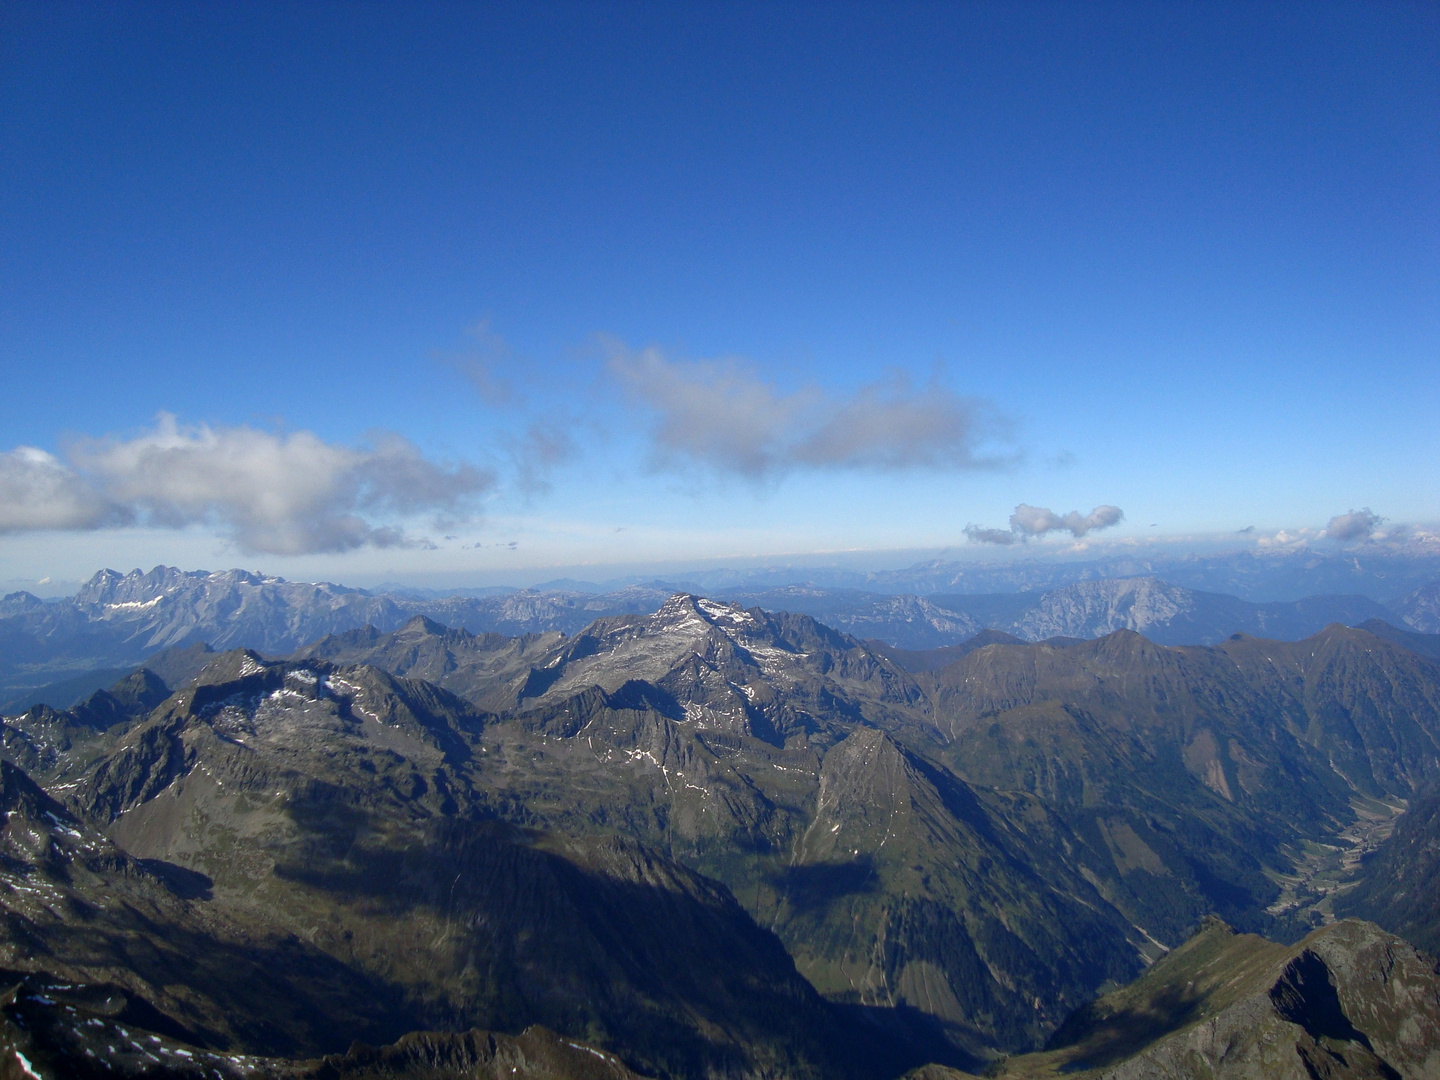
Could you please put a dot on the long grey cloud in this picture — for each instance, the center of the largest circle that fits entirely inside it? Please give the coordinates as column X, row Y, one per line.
column 724, row 415
column 1032, row 522
column 273, row 493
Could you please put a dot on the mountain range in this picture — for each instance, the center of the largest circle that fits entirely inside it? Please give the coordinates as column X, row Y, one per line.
column 58, row 652
column 698, row 841
column 1382, row 571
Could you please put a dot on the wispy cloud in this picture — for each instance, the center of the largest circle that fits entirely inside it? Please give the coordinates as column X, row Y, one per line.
column 486, row 364
column 1355, row 525
column 275, row 493
column 544, row 446
column 724, row 415
column 1032, row 522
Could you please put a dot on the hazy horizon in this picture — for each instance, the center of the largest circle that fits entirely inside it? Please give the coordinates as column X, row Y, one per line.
column 1419, row 544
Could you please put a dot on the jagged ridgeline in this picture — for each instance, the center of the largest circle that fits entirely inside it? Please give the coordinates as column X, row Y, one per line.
column 705, row 841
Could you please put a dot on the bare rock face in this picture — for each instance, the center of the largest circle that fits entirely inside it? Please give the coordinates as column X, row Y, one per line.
column 1421, row 608
column 1388, row 990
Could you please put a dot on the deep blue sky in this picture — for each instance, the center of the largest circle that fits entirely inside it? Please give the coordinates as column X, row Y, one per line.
column 1185, row 256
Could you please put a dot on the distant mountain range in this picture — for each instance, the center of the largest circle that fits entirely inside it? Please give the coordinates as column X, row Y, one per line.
column 1163, row 612
column 1374, row 570
column 60, row 651
column 1382, row 572
column 709, row 840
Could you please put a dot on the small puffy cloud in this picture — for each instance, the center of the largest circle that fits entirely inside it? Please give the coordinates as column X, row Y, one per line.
column 1285, row 539
column 725, row 415
column 1356, row 525
column 1037, row 521
column 1032, row 522
column 275, row 493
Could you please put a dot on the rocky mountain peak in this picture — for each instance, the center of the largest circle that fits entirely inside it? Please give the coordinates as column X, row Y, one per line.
column 422, row 626
column 110, row 588
column 704, row 642
column 233, row 665
column 685, row 612
column 684, row 615
column 99, row 588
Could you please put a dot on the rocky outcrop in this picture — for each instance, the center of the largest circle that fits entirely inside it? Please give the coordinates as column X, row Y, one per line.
column 1349, row 1001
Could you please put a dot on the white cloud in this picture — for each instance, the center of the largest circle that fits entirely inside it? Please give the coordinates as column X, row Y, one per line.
column 1284, row 539
column 723, row 414
column 1037, row 520
column 1355, row 525
column 1032, row 522
column 284, row 494
column 38, row 491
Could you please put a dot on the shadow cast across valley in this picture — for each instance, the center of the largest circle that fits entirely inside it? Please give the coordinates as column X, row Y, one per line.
column 184, row 883
column 926, row 1039
column 598, row 938
column 811, row 888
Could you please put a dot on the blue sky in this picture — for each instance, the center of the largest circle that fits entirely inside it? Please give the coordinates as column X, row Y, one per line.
column 312, row 288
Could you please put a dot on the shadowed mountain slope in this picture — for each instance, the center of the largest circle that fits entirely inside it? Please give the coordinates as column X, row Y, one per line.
column 1350, row 1001
column 51, row 1027
column 1205, row 773
column 473, row 666
column 82, row 910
